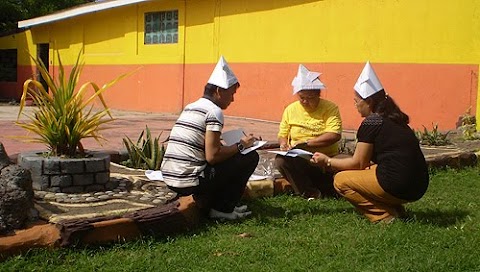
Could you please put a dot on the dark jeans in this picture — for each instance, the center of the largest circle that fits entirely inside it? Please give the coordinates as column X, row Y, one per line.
column 306, row 180
column 224, row 183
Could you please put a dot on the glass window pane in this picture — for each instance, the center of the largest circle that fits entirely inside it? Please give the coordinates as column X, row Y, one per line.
column 161, row 27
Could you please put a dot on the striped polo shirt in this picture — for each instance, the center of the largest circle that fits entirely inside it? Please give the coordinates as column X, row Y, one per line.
column 184, row 159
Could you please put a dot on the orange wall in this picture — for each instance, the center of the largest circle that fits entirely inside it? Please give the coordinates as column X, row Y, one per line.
column 153, row 88
column 9, row 90
column 419, row 89
column 13, row 90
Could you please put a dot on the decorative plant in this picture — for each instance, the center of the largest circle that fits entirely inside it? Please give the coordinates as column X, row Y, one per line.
column 146, row 153
column 65, row 115
column 468, row 127
column 434, row 137
column 344, row 148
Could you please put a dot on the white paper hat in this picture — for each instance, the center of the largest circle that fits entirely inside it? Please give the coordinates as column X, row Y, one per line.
column 368, row 82
column 306, row 80
column 222, row 76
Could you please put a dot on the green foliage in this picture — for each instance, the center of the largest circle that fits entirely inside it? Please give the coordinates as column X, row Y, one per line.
column 433, row 137
column 287, row 233
column 65, row 116
column 146, row 153
column 13, row 11
column 468, row 127
column 344, row 148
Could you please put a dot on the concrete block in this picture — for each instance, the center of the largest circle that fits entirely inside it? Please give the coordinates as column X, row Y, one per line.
column 51, row 166
column 72, row 166
column 102, row 177
column 83, row 179
column 61, row 181
column 40, row 182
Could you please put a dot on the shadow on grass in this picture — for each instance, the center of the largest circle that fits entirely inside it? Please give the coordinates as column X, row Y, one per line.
column 269, row 212
column 440, row 218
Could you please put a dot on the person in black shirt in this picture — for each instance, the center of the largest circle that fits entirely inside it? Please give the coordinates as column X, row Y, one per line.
column 388, row 168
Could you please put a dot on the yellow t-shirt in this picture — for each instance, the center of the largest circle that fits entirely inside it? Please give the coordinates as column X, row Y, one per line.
column 302, row 125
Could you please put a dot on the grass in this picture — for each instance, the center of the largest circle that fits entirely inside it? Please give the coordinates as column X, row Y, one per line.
column 290, row 234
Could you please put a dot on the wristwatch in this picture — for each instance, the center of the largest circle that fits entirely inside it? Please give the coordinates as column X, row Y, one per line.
column 240, row 147
column 329, row 162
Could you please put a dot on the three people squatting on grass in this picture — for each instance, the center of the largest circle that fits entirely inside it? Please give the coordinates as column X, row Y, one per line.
column 387, row 169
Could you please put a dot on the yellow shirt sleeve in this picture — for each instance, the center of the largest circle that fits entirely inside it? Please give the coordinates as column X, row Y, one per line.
column 334, row 121
column 284, row 129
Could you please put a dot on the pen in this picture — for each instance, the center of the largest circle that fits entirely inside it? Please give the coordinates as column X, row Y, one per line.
column 256, row 139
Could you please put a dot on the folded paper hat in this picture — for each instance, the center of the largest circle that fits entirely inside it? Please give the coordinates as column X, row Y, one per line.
column 222, row 76
column 368, row 83
column 306, row 80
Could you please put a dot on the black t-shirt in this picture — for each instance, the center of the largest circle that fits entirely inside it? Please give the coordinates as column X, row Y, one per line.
column 402, row 170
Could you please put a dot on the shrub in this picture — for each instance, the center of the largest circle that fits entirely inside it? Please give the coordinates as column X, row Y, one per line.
column 64, row 116
column 344, row 148
column 146, row 153
column 433, row 137
column 468, row 126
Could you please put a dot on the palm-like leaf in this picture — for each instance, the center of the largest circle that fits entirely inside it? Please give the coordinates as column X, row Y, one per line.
column 146, row 153
column 65, row 116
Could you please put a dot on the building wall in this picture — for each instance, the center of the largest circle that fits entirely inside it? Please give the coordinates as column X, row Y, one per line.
column 426, row 53
column 12, row 90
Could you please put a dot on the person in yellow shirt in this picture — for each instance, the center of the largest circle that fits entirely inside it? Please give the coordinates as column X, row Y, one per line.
column 310, row 123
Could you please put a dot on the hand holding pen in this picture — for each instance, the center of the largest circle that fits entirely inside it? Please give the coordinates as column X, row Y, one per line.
column 249, row 140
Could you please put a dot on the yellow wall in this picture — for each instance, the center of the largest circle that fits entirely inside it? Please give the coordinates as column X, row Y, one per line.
column 8, row 42
column 406, row 31
column 113, row 37
column 250, row 31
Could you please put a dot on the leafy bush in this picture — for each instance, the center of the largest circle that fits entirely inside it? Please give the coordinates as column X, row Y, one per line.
column 64, row 116
column 345, row 148
column 433, row 137
column 468, row 127
column 146, row 153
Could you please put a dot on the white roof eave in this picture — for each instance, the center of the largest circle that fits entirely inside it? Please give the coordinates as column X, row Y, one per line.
column 69, row 13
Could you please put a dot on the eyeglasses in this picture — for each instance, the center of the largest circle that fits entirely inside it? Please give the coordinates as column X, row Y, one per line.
column 356, row 102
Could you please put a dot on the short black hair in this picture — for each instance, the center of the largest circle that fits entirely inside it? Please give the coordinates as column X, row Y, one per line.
column 210, row 88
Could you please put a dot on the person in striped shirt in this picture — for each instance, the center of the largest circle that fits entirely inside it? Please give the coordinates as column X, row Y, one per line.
column 197, row 163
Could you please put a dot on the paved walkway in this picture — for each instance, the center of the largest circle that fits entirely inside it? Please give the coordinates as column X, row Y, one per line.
column 131, row 124
column 126, row 123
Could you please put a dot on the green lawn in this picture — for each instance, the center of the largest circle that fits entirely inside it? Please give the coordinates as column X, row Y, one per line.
column 290, row 234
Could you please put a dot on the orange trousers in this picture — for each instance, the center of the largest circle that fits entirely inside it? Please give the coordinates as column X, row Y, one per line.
column 361, row 188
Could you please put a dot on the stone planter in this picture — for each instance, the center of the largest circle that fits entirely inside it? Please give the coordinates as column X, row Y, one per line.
column 68, row 175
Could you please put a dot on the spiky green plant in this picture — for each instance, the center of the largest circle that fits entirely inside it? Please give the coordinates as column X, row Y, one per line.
column 146, row 153
column 64, row 116
column 433, row 137
column 469, row 126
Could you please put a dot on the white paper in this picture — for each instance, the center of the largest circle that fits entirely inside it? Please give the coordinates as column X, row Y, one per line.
column 255, row 145
column 295, row 153
column 154, row 175
column 306, row 80
column 233, row 136
column 368, row 83
column 222, row 76
column 257, row 177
